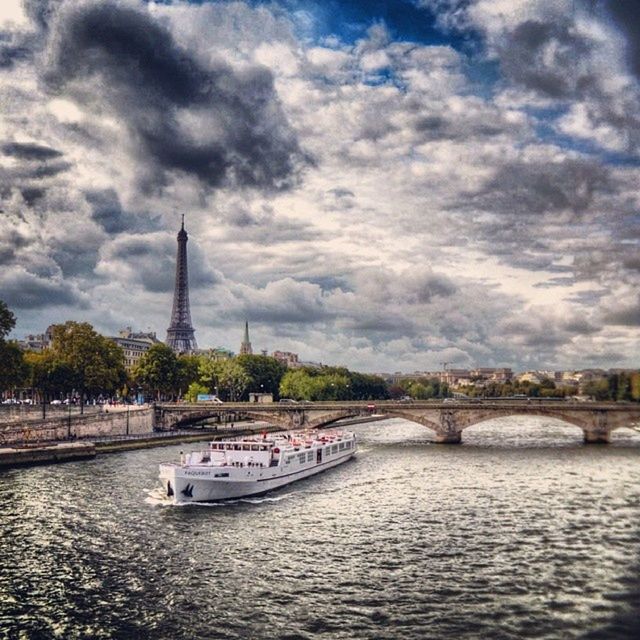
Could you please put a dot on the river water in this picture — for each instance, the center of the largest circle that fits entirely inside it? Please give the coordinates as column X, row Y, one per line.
column 520, row 532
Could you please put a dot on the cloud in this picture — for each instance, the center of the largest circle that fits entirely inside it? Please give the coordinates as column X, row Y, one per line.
column 221, row 125
column 150, row 261
column 536, row 187
column 29, row 151
column 24, row 290
column 469, row 201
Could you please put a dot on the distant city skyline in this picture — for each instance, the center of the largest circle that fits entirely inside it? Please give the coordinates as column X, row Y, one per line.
column 387, row 186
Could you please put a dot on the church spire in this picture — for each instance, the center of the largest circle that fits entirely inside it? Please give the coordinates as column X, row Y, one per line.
column 245, row 347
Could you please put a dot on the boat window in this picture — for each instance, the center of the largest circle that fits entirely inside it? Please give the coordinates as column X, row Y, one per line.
column 237, row 447
column 348, row 445
column 246, row 447
column 220, row 475
column 228, row 446
column 341, row 446
column 334, row 448
column 310, row 456
column 255, row 447
column 302, row 457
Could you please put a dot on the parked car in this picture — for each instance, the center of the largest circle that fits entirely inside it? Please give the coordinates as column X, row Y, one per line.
column 288, row 401
column 56, row 402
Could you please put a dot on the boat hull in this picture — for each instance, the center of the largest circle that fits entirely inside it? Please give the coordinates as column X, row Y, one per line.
column 185, row 485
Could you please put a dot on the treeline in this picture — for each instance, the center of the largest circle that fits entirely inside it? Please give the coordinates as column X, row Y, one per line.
column 419, row 389
column 81, row 363
column 332, row 383
column 623, row 386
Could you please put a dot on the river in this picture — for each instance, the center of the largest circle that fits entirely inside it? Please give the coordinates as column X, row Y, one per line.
column 520, row 532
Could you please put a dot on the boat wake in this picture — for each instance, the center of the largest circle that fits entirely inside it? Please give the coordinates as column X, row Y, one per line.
column 155, row 497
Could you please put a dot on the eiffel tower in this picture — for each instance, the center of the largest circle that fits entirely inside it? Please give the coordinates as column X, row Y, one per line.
column 180, row 334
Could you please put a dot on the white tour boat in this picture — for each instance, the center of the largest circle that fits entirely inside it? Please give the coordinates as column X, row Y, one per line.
column 252, row 466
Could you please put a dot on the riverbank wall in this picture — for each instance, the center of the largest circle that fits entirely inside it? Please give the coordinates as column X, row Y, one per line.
column 72, row 426
column 61, row 452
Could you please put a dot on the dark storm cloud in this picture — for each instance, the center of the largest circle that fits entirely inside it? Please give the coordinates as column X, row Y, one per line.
column 534, row 188
column 30, row 178
column 151, row 260
column 110, row 55
column 24, row 290
column 29, row 151
column 542, row 330
column 555, row 282
column 11, row 240
column 539, row 56
column 41, row 11
column 629, row 317
column 626, row 15
column 14, row 48
column 107, row 211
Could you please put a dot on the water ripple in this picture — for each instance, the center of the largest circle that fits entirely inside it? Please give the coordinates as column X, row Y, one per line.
column 520, row 532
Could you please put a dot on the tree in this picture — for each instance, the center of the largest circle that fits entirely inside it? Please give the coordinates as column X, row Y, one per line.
column 47, row 374
column 194, row 390
column 598, row 389
column 158, row 370
column 7, row 320
column 13, row 369
column 296, row 384
column 265, row 373
column 188, row 371
column 12, row 366
column 232, row 379
column 96, row 363
column 635, row 386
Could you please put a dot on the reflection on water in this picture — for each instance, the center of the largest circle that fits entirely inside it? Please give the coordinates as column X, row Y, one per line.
column 522, row 531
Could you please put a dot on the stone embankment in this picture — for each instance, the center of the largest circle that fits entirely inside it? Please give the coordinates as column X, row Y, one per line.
column 63, row 425
column 52, row 452
column 58, row 452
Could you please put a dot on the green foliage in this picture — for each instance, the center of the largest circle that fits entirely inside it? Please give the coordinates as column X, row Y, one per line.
column 187, row 372
column 623, row 386
column 634, row 391
column 265, row 373
column 13, row 369
column 424, row 388
column 7, row 320
column 158, row 370
column 227, row 376
column 48, row 374
column 194, row 390
column 95, row 363
column 597, row 389
column 331, row 383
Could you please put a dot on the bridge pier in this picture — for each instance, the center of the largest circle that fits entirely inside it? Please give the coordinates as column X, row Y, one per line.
column 597, row 437
column 448, row 438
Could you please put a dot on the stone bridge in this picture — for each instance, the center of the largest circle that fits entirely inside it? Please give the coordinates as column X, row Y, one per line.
column 447, row 419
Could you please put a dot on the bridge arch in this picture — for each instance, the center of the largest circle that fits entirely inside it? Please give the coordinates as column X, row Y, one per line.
column 543, row 430
column 569, row 421
column 425, row 421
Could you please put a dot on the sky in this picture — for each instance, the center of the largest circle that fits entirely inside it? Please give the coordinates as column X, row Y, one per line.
column 384, row 185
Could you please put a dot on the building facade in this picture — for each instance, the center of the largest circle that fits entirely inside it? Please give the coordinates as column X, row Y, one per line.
column 134, row 345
